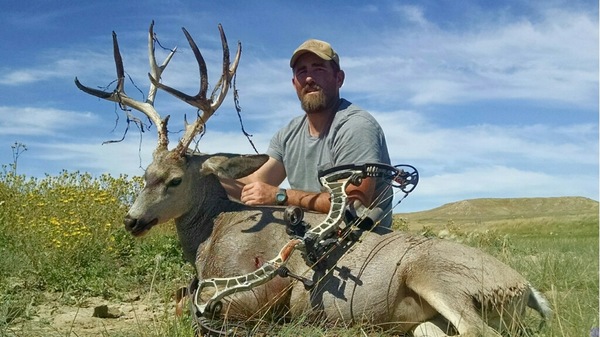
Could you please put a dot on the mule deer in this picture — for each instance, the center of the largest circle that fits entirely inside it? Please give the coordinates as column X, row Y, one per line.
column 402, row 282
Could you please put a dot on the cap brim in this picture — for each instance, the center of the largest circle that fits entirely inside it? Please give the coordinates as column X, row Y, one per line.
column 301, row 52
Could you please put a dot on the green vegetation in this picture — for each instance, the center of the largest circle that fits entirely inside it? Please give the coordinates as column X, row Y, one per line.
column 62, row 240
column 64, row 250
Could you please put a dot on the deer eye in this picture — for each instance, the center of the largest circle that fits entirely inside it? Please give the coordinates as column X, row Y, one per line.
column 174, row 182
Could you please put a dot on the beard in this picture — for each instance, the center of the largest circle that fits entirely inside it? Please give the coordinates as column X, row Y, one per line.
column 313, row 101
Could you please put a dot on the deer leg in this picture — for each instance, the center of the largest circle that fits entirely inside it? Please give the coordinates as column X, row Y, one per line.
column 181, row 297
column 468, row 323
column 459, row 312
column 435, row 327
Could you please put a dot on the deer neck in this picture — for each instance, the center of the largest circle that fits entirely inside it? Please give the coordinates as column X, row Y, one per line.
column 196, row 226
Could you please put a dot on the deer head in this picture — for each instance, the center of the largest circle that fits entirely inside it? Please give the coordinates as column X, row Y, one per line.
column 170, row 169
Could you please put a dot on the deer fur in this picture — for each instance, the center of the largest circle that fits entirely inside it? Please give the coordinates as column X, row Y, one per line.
column 400, row 281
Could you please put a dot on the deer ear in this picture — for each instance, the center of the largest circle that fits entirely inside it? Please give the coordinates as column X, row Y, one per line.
column 234, row 167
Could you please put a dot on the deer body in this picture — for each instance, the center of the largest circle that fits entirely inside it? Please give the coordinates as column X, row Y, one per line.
column 404, row 282
column 388, row 278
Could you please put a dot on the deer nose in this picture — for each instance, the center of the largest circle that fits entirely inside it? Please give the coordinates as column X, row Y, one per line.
column 129, row 223
column 138, row 227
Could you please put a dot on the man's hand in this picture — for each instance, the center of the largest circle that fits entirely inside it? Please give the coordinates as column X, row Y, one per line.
column 258, row 193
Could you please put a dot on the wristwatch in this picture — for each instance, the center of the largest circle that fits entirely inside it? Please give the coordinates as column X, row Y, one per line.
column 281, row 196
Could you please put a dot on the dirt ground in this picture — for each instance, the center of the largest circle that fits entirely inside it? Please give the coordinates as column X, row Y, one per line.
column 94, row 317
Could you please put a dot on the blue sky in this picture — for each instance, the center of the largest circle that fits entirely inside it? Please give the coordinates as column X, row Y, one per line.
column 488, row 99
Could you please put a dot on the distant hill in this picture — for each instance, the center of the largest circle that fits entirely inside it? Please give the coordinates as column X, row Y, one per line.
column 489, row 212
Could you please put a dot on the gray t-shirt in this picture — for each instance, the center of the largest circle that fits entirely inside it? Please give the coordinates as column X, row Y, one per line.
column 354, row 137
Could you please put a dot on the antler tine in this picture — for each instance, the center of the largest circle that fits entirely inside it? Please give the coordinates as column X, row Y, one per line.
column 200, row 101
column 155, row 69
column 118, row 92
column 201, row 65
column 119, row 96
column 228, row 72
column 118, row 64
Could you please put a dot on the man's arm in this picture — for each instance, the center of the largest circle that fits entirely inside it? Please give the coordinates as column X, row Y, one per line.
column 270, row 173
column 260, row 187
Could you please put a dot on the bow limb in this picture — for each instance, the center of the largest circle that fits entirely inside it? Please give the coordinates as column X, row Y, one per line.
column 225, row 286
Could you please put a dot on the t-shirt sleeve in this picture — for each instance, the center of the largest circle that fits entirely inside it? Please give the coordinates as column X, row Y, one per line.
column 359, row 140
column 275, row 149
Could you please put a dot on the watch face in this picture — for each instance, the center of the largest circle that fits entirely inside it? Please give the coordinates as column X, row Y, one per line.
column 281, row 197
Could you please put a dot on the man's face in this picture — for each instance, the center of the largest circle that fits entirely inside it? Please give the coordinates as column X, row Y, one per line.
column 317, row 83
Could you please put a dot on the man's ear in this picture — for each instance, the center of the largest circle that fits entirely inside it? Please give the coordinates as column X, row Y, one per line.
column 234, row 167
column 340, row 78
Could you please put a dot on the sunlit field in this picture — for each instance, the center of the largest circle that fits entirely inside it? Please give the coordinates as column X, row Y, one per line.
column 64, row 252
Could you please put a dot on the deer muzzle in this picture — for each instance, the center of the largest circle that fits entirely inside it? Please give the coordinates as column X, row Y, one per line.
column 138, row 227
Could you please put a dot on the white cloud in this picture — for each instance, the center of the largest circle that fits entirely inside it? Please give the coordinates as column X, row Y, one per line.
column 29, row 121
column 552, row 59
column 478, row 161
column 413, row 14
column 481, row 180
column 56, row 65
column 19, row 77
column 411, row 136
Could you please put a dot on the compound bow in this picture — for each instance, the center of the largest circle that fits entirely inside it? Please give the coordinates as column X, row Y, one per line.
column 314, row 242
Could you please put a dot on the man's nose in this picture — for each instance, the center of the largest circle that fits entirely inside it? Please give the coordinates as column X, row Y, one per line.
column 309, row 79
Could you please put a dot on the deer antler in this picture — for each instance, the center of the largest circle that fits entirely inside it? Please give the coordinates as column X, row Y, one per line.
column 200, row 101
column 119, row 96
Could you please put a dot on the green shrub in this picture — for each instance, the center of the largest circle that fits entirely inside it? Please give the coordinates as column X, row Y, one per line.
column 64, row 234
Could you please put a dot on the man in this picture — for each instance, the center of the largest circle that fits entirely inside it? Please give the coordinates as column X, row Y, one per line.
column 332, row 132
